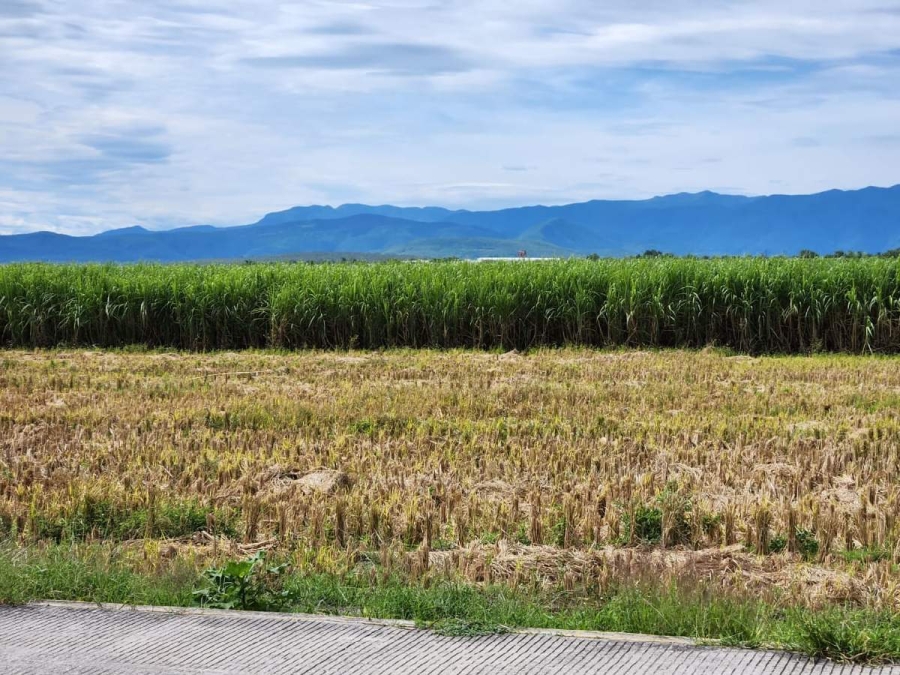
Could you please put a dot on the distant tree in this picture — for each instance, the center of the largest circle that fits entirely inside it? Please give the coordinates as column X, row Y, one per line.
column 651, row 253
column 806, row 253
column 848, row 254
column 594, row 257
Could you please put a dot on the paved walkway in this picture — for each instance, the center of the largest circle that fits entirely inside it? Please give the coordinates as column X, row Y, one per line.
column 80, row 638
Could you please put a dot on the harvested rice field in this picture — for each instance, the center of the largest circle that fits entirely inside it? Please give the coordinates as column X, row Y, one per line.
column 575, row 470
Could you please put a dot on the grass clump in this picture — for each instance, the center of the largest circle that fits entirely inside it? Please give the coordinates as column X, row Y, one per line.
column 458, row 627
column 666, row 521
column 848, row 635
column 804, row 542
column 90, row 573
column 865, row 556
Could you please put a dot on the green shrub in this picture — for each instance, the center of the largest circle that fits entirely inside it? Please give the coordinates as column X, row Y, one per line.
column 647, row 526
column 244, row 584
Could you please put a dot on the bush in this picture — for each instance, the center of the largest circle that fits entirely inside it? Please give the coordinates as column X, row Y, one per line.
column 647, row 526
column 245, row 584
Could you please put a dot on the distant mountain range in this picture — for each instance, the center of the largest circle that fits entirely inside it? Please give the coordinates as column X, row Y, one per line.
column 705, row 223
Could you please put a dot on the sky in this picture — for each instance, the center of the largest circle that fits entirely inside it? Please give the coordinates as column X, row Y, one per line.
column 166, row 113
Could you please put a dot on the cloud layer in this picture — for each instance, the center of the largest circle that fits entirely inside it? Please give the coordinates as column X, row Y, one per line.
column 116, row 112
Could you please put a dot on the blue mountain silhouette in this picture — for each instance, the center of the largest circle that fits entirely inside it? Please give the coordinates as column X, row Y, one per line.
column 704, row 223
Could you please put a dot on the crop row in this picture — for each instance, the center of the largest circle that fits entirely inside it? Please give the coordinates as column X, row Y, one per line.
column 747, row 304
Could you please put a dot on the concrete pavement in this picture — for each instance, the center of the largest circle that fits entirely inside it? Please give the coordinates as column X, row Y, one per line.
column 82, row 638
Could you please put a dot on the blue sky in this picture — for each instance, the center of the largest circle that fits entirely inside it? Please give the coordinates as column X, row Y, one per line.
column 173, row 112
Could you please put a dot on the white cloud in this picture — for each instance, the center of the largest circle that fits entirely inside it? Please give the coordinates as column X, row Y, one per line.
column 115, row 112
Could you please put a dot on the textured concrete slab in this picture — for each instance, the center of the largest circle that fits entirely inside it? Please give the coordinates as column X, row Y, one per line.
column 80, row 638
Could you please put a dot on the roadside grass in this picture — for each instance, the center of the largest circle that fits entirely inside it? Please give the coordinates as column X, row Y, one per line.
column 90, row 573
column 849, row 635
column 98, row 573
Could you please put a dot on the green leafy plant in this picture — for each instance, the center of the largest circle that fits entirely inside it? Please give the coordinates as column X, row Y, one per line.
column 647, row 525
column 807, row 544
column 778, row 543
column 670, row 510
column 244, row 584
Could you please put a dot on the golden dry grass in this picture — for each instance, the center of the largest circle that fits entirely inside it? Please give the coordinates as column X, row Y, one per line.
column 521, row 468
